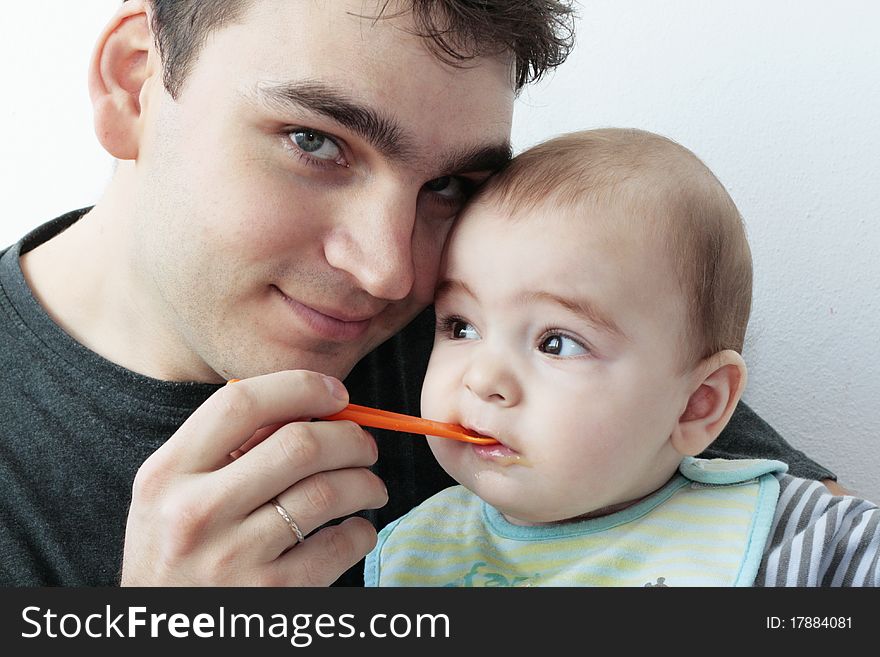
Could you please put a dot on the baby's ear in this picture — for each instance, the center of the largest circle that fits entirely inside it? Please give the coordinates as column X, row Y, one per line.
column 720, row 380
column 123, row 61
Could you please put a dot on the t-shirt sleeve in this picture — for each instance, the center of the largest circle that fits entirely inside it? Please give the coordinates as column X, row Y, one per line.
column 747, row 436
column 820, row 539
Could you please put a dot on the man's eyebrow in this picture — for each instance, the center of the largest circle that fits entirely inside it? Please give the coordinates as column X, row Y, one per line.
column 383, row 132
column 580, row 307
column 482, row 158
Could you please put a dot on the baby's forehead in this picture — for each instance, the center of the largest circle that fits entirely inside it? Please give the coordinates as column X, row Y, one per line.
column 624, row 236
column 617, row 218
column 571, row 235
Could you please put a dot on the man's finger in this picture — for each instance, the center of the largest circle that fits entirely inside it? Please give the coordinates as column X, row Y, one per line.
column 312, row 502
column 295, row 451
column 235, row 412
column 324, row 556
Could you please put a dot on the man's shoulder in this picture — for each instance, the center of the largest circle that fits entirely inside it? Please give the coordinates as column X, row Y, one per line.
column 749, row 436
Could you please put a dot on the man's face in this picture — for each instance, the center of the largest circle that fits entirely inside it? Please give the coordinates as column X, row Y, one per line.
column 293, row 201
column 558, row 333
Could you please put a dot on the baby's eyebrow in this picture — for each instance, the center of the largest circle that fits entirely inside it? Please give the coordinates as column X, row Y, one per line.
column 582, row 307
column 449, row 286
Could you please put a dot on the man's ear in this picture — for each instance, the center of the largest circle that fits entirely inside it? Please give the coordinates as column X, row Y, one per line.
column 720, row 381
column 120, row 66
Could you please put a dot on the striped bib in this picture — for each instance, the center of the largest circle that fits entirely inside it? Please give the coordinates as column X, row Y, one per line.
column 706, row 527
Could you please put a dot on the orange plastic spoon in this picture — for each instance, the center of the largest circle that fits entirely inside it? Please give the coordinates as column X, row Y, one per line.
column 379, row 419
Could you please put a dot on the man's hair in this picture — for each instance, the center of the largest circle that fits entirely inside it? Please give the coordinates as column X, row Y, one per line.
column 539, row 34
column 663, row 188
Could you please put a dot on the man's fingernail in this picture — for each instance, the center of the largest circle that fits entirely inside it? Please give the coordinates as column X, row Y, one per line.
column 336, row 388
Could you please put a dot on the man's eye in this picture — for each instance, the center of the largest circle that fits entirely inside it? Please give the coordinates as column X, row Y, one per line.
column 461, row 330
column 452, row 188
column 317, row 145
column 558, row 344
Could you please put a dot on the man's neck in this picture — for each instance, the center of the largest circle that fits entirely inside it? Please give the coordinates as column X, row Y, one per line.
column 86, row 280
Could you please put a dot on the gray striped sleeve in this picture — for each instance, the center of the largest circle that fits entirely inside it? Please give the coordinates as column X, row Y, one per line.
column 818, row 539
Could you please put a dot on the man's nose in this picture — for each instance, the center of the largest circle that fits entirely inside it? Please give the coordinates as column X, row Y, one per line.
column 372, row 241
column 491, row 377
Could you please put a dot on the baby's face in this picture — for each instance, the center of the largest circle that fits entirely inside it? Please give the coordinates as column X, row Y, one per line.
column 558, row 333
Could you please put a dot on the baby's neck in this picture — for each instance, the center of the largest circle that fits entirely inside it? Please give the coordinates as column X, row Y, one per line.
column 596, row 513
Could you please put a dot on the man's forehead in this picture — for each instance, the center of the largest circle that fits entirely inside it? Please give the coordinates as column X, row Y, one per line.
column 340, row 22
column 377, row 78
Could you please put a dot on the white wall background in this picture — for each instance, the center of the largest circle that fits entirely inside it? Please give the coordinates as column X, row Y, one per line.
column 781, row 98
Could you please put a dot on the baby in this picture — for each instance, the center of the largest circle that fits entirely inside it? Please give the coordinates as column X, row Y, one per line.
column 591, row 311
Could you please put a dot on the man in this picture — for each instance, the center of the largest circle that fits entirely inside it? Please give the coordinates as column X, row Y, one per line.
column 288, row 172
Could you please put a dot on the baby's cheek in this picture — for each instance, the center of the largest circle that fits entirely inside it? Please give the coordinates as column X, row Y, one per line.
column 432, row 396
column 445, row 452
column 429, row 405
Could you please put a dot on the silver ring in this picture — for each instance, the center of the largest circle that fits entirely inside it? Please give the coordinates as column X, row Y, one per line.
column 297, row 532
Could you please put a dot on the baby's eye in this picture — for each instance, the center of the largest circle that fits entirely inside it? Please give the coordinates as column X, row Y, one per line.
column 316, row 144
column 558, row 344
column 461, row 330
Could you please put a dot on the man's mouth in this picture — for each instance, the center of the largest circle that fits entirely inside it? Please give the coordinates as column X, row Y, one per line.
column 330, row 323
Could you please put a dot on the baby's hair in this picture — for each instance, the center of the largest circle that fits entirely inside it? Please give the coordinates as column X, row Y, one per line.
column 663, row 188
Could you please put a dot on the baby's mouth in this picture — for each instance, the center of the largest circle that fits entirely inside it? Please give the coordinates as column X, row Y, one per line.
column 500, row 453
column 483, row 431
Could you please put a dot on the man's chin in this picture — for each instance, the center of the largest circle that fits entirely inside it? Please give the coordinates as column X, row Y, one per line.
column 329, row 357
column 334, row 363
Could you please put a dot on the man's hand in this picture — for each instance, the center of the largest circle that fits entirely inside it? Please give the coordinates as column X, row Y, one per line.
column 201, row 517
